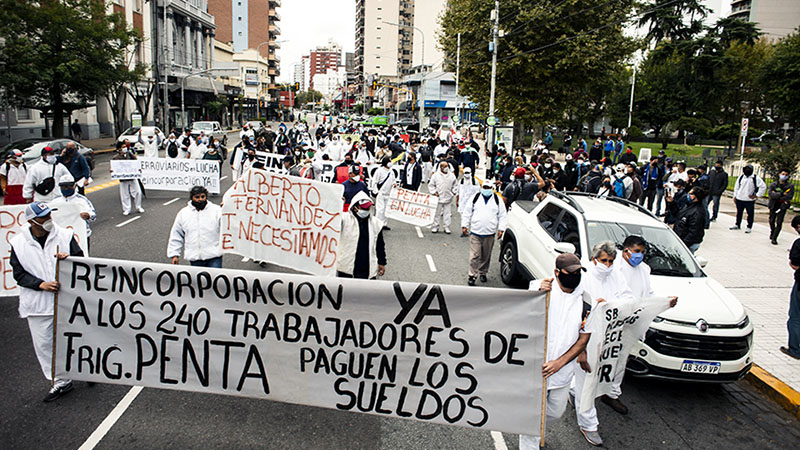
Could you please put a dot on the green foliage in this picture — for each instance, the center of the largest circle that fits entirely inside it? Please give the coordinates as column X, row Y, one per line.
column 667, row 19
column 374, row 112
column 682, row 150
column 635, row 132
column 777, row 158
column 696, row 125
column 780, row 74
column 310, row 96
column 57, row 52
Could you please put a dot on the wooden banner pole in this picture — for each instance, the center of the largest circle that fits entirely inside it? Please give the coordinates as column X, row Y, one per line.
column 55, row 322
column 544, row 380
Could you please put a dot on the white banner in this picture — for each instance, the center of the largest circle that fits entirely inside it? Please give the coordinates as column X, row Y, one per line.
column 125, row 169
column 291, row 221
column 432, row 353
column 12, row 220
column 416, row 208
column 615, row 326
column 181, row 175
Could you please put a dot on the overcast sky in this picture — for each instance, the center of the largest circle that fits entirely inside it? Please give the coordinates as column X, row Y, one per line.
column 306, row 24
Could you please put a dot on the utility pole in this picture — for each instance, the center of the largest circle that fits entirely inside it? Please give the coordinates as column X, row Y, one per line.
column 630, row 109
column 495, row 30
column 458, row 66
column 164, row 40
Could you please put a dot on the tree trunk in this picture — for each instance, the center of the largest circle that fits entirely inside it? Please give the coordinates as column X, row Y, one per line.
column 58, row 110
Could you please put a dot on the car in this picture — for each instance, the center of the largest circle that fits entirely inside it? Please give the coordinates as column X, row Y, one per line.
column 255, row 125
column 708, row 325
column 32, row 149
column 475, row 127
column 326, row 113
column 210, row 129
column 404, row 122
column 132, row 135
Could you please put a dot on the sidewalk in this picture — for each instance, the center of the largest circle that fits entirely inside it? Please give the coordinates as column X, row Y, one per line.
column 99, row 144
column 758, row 274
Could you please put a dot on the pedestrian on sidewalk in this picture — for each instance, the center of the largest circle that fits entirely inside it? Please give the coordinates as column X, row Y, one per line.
column 129, row 190
column 484, row 217
column 748, row 188
column 33, row 253
column 75, row 128
column 793, row 324
column 195, row 231
column 718, row 182
column 12, row 174
column 781, row 193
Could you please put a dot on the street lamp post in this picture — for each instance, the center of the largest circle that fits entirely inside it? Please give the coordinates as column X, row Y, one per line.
column 422, row 81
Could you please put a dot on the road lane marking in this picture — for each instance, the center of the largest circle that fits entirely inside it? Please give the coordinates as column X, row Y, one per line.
column 419, row 232
column 222, row 178
column 171, row 201
column 119, row 225
column 431, row 265
column 99, row 187
column 111, row 419
column 499, row 442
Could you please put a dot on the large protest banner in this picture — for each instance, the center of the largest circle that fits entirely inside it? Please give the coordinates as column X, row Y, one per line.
column 416, row 208
column 433, row 353
column 291, row 221
column 169, row 174
column 615, row 326
column 12, row 221
column 125, row 169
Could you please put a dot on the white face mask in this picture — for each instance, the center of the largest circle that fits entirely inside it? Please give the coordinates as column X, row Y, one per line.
column 602, row 270
column 46, row 226
column 528, row 178
column 50, row 159
column 363, row 213
column 445, row 170
column 547, row 166
column 357, row 178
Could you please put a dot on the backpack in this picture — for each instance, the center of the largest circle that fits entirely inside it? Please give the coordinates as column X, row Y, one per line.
column 478, row 195
column 47, row 185
column 172, row 150
column 186, row 141
column 591, row 183
column 619, row 187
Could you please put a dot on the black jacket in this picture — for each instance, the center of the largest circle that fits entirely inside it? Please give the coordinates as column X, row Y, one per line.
column 416, row 177
column 780, row 195
column 691, row 221
column 718, row 181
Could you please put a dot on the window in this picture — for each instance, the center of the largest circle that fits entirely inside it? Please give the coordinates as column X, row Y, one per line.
column 567, row 231
column 548, row 218
column 23, row 114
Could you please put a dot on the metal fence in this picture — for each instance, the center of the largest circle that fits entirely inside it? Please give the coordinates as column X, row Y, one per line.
column 734, row 170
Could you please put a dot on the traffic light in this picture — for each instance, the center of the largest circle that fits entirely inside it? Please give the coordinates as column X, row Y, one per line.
column 374, row 85
column 296, row 86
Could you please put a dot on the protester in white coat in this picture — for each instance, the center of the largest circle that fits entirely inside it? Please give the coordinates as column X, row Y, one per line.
column 41, row 181
column 129, row 190
column 150, row 144
column 443, row 184
column 381, row 185
column 467, row 188
column 484, row 218
column 196, row 232
column 362, row 253
column 70, row 196
column 33, row 259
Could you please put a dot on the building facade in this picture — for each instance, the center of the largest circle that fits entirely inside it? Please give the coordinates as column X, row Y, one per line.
column 775, row 18
column 297, row 75
column 323, row 59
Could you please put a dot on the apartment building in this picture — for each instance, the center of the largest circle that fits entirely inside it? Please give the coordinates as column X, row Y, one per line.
column 775, row 18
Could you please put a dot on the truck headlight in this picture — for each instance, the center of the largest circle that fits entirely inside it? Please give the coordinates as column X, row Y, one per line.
column 744, row 323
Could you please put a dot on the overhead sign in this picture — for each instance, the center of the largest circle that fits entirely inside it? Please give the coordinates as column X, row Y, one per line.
column 12, row 221
column 181, row 175
column 416, row 208
column 431, row 353
column 291, row 221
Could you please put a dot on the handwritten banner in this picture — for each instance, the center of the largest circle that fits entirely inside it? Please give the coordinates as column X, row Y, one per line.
column 432, row 353
column 12, row 221
column 169, row 174
column 416, row 208
column 288, row 220
column 615, row 325
column 125, row 169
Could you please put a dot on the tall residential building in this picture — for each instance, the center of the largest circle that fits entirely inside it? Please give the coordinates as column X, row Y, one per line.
column 297, row 75
column 775, row 18
column 426, row 18
column 251, row 24
column 384, row 50
column 323, row 59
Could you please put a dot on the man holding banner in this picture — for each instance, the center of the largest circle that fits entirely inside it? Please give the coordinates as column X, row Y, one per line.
column 128, row 188
column 32, row 253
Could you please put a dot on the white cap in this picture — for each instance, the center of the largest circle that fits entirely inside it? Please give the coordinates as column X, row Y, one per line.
column 66, row 179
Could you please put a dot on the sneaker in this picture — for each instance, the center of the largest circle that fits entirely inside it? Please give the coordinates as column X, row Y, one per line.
column 471, row 281
column 483, row 278
column 748, row 230
column 434, row 230
column 592, row 437
column 615, row 404
column 140, row 210
column 735, row 227
column 126, row 213
column 57, row 391
column 714, row 219
column 385, row 228
column 786, row 351
column 773, row 242
column 447, row 230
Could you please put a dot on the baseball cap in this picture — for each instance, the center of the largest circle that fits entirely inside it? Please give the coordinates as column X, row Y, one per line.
column 16, row 153
column 47, row 149
column 486, row 184
column 569, row 262
column 519, row 172
column 365, row 204
column 66, row 179
column 355, row 168
column 36, row 209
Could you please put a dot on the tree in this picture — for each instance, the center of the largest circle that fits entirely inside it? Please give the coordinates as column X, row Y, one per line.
column 781, row 75
column 666, row 19
column 310, row 96
column 56, row 52
column 781, row 157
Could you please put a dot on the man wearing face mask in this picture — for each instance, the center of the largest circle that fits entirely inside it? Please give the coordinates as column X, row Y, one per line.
column 362, row 252
column 76, row 164
column 468, row 186
column 690, row 223
column 353, row 185
column 747, row 189
column 32, row 258
column 781, row 193
column 381, row 185
column 13, row 174
column 443, row 185
column 150, row 144
column 69, row 195
column 41, row 179
column 484, row 218
column 196, row 232
column 128, row 189
column 412, row 173
column 566, row 338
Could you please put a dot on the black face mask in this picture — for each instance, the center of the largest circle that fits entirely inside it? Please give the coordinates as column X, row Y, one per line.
column 251, row 157
column 200, row 205
column 748, row 171
column 570, row 280
column 348, row 162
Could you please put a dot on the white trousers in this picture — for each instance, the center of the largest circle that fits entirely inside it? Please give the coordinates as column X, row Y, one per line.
column 443, row 215
column 427, row 170
column 129, row 189
column 556, row 405
column 42, row 335
column 588, row 420
column 616, row 387
column 380, row 206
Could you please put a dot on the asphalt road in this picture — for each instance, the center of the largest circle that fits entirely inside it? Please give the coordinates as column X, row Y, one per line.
column 662, row 415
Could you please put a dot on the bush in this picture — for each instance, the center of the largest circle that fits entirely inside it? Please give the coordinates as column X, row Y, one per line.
column 777, row 158
column 635, row 132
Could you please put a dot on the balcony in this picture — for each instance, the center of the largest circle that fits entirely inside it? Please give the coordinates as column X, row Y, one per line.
column 274, row 28
column 274, row 14
column 275, row 2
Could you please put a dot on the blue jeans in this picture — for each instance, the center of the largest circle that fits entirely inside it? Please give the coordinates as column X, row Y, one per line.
column 694, row 247
column 794, row 322
column 213, row 262
column 659, row 198
column 715, row 199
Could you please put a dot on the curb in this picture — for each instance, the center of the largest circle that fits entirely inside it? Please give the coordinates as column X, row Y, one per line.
column 775, row 389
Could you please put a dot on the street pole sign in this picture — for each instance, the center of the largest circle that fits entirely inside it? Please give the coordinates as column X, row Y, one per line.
column 743, row 132
column 491, row 121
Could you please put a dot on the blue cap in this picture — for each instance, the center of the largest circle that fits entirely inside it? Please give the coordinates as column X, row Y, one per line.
column 36, row 209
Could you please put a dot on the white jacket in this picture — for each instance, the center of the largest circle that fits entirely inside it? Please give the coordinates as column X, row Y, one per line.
column 196, row 232
column 150, row 148
column 381, row 174
column 348, row 241
column 38, row 172
column 85, row 204
column 40, row 263
column 467, row 189
column 443, row 184
column 483, row 217
column 746, row 186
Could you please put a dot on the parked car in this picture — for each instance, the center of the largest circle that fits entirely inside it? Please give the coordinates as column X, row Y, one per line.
column 32, row 149
column 706, row 337
column 210, row 129
column 404, row 122
column 132, row 135
column 475, row 127
column 255, row 125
